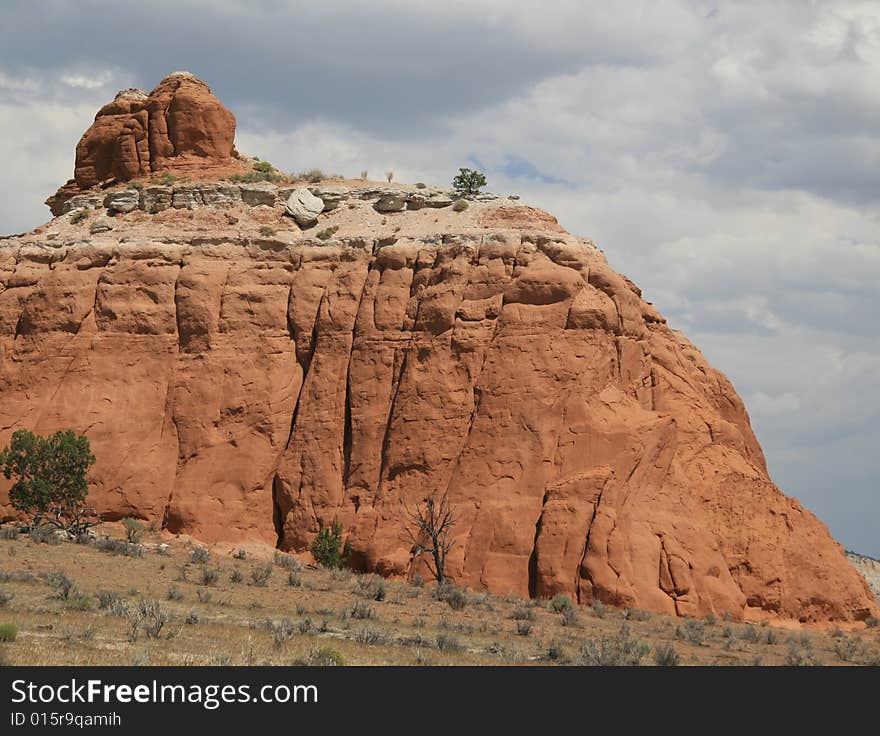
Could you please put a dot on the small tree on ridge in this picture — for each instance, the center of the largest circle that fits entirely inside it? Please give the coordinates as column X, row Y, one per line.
column 468, row 182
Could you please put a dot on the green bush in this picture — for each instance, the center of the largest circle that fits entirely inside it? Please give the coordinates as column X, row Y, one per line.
column 8, row 632
column 50, row 475
column 327, row 233
column 460, row 205
column 468, row 182
column 134, row 529
column 560, row 603
column 267, row 231
column 328, row 549
column 79, row 216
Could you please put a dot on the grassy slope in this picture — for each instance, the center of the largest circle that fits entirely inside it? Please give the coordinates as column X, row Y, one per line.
column 403, row 629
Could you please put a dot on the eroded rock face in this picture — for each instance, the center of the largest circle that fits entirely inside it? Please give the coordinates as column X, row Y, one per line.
column 240, row 392
column 178, row 126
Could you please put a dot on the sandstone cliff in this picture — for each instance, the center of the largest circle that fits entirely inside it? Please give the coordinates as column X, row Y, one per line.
column 243, row 378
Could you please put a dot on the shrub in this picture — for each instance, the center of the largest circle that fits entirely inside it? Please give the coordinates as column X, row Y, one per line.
column 555, row 651
column 208, row 576
column 8, row 632
column 362, row 610
column 598, row 608
column 80, row 602
column 327, row 547
column 293, row 579
column 50, row 477
column 313, row 176
column 460, row 205
column 134, row 530
column 729, row 638
column 371, row 636
column 421, row 185
column 619, row 650
column 389, row 175
column 175, row 593
column 5, row 596
column 325, row 657
column 120, row 547
column 523, row 613
column 204, row 596
column 199, row 556
column 455, row 597
column 468, row 182
column 872, row 622
column 166, row 180
column 849, row 648
column 106, row 598
column 62, row 584
column 281, row 631
column 235, row 576
column 288, row 562
column 417, row 581
column 241, row 554
column 666, row 655
column 523, row 628
column 44, row 535
column 260, row 574
column 570, row 618
column 327, row 233
column 799, row 653
column 118, row 607
column 751, row 634
column 371, row 586
column 79, row 216
column 636, row 614
column 692, row 631
column 9, row 532
column 448, row 643
column 148, row 615
column 267, row 231
column 192, row 618
column 560, row 603
column 19, row 576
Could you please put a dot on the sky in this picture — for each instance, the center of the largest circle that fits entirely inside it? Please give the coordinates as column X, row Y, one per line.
column 725, row 155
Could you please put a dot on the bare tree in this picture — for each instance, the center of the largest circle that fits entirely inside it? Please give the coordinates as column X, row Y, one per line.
column 429, row 532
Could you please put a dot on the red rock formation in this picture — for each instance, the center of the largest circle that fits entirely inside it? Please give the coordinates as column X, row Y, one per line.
column 238, row 393
column 239, row 387
column 179, row 126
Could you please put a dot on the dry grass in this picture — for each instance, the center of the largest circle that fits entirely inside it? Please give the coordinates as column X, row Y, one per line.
column 326, row 617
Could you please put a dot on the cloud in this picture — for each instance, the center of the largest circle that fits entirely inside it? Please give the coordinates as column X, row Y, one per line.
column 725, row 155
